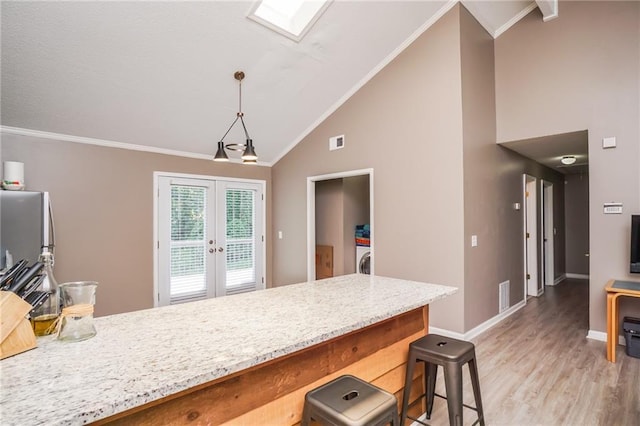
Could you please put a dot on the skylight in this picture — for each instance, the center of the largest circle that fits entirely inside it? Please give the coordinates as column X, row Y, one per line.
column 291, row 18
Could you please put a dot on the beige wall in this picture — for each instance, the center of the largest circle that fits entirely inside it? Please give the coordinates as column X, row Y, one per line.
column 580, row 71
column 492, row 184
column 405, row 124
column 576, row 200
column 103, row 205
column 426, row 125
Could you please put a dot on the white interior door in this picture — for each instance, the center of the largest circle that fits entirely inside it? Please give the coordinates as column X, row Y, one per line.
column 210, row 239
column 531, row 236
column 548, row 229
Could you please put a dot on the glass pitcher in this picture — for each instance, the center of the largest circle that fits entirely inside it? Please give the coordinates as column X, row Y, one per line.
column 76, row 320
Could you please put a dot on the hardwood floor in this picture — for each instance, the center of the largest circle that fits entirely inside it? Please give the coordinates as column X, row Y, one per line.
column 538, row 368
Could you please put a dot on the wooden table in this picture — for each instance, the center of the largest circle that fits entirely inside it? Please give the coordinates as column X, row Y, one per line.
column 616, row 289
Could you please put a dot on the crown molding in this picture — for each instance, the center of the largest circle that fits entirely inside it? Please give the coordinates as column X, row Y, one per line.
column 511, row 22
column 111, row 144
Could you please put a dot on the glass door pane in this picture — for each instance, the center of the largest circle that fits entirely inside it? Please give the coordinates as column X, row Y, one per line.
column 188, row 242
column 241, row 262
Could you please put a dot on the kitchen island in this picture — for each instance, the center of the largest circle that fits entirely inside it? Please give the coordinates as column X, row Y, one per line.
column 243, row 359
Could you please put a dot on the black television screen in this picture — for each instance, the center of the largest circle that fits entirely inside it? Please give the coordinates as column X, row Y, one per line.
column 635, row 244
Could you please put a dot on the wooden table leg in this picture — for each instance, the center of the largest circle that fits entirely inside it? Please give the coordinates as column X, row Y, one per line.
column 612, row 336
column 610, row 347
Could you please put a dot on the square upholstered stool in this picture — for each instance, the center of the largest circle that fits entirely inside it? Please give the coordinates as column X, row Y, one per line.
column 350, row 401
column 451, row 354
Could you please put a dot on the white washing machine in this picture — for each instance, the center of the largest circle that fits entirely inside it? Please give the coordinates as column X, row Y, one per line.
column 363, row 260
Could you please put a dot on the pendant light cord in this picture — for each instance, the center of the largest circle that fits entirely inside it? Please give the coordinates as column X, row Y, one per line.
column 238, row 115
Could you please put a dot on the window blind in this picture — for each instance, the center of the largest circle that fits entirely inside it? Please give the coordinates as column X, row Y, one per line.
column 240, row 236
column 188, row 245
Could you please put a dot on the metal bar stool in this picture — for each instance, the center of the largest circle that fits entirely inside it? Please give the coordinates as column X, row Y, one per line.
column 350, row 401
column 451, row 354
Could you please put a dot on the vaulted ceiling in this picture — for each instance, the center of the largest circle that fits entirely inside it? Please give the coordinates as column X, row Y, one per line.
column 158, row 76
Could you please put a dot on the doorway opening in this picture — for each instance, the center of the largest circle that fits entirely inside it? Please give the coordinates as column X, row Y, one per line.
column 325, row 193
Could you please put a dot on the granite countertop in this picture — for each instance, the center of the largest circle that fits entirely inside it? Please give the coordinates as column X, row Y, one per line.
column 142, row 356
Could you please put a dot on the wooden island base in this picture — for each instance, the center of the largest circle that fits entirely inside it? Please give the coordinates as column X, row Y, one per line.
column 273, row 393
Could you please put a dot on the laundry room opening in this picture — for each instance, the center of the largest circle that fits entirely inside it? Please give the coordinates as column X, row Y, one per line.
column 340, row 224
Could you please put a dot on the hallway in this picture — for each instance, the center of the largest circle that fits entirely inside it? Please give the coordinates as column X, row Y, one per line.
column 538, row 368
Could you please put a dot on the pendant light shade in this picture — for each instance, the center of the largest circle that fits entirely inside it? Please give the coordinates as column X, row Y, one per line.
column 248, row 151
column 220, row 154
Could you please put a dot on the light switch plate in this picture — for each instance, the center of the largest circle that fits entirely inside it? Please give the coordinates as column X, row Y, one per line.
column 609, row 142
column 474, row 241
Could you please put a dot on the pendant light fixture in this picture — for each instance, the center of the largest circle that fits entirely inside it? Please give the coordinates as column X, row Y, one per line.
column 248, row 152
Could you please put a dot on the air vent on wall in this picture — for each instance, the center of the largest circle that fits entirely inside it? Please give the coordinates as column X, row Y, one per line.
column 503, row 296
column 336, row 142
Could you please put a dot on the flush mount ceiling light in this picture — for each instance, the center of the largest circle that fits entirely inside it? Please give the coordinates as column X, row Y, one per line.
column 568, row 159
column 248, row 153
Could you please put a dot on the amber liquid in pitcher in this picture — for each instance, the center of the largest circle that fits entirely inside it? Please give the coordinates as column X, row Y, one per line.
column 42, row 325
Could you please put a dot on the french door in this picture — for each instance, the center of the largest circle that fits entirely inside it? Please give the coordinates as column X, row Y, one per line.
column 209, row 239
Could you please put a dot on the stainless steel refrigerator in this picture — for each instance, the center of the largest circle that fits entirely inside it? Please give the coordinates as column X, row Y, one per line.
column 25, row 225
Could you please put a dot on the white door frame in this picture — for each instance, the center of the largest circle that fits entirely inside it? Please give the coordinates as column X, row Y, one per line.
column 311, row 215
column 529, row 185
column 549, row 234
column 156, row 236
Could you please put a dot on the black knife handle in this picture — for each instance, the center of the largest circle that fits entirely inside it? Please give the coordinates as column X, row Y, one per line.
column 24, row 279
column 12, row 274
column 29, row 288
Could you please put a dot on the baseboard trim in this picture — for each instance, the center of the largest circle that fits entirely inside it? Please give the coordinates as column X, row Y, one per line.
column 559, row 279
column 446, row 333
column 475, row 332
column 577, row 276
column 602, row 337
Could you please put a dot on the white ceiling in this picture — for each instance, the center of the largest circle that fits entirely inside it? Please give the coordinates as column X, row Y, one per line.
column 549, row 150
column 159, row 75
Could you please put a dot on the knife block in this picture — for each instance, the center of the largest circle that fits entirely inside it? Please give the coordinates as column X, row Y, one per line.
column 16, row 334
